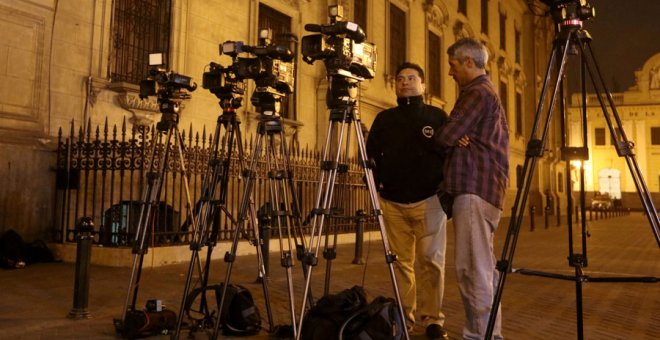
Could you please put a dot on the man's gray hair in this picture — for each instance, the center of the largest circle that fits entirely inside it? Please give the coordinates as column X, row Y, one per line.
column 468, row 47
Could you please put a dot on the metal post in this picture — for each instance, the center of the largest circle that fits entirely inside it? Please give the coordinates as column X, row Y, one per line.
column 532, row 211
column 264, row 217
column 360, row 217
column 558, row 214
column 85, row 228
column 547, row 216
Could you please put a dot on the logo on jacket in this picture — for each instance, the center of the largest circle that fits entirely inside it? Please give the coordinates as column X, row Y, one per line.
column 427, row 131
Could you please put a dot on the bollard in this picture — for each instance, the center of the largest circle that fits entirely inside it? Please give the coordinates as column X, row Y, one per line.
column 85, row 228
column 532, row 210
column 547, row 216
column 558, row 215
column 360, row 217
column 264, row 217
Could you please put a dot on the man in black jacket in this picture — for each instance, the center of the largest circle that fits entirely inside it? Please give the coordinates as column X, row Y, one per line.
column 408, row 172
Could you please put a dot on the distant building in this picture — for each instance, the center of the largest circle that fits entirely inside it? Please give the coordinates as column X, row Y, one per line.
column 639, row 111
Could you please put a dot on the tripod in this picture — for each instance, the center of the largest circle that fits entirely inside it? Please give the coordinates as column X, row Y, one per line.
column 169, row 100
column 343, row 113
column 571, row 38
column 211, row 205
column 281, row 194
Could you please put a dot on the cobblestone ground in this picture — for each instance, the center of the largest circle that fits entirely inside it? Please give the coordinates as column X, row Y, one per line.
column 37, row 299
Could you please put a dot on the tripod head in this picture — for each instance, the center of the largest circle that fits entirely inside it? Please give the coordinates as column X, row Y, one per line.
column 171, row 89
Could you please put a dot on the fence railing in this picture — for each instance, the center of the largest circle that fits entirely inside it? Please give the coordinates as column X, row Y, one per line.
column 101, row 175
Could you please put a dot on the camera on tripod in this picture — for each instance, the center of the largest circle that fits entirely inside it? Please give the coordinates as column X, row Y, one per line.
column 162, row 82
column 221, row 80
column 570, row 11
column 341, row 46
column 271, row 66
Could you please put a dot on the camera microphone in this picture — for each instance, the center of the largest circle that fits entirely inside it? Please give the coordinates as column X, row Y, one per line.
column 341, row 27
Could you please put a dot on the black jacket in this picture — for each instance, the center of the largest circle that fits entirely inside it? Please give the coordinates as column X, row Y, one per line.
column 408, row 165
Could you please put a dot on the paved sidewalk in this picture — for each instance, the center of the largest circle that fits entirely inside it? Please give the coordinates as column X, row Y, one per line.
column 37, row 299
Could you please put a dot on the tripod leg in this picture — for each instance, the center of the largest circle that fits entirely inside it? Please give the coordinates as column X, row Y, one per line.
column 390, row 257
column 321, row 210
column 330, row 252
column 150, row 198
column 215, row 180
column 245, row 211
column 623, row 145
column 534, row 150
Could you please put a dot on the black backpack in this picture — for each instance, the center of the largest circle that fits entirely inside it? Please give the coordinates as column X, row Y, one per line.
column 378, row 320
column 240, row 316
column 324, row 320
column 12, row 250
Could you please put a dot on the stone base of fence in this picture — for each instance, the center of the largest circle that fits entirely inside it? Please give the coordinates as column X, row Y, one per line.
column 162, row 256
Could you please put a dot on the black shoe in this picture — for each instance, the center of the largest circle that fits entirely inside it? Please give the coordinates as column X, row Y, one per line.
column 435, row 331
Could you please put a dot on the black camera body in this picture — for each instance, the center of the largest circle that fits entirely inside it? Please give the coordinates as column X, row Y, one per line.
column 161, row 81
column 570, row 11
column 221, row 81
column 270, row 65
column 342, row 48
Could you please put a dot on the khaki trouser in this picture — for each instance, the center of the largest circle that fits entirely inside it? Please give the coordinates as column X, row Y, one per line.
column 417, row 234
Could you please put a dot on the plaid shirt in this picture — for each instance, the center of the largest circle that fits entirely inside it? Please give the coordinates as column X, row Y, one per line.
column 481, row 168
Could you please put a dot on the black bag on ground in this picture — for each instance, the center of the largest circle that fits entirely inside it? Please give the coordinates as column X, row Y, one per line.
column 326, row 317
column 378, row 320
column 240, row 316
column 144, row 323
column 12, row 250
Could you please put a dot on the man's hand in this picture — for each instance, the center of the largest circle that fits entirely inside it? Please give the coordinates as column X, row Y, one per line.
column 463, row 142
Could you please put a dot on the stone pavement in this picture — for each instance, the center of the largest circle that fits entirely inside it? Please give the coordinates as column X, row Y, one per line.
column 37, row 299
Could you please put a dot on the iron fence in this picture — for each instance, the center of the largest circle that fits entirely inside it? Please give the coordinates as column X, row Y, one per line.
column 101, row 175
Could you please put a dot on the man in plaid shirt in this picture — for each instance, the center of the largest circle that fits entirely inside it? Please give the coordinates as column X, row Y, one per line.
column 477, row 176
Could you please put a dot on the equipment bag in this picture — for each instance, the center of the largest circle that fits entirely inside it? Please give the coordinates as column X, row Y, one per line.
column 240, row 316
column 325, row 318
column 378, row 320
column 143, row 323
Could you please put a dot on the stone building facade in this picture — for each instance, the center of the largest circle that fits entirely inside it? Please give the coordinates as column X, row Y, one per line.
column 57, row 59
column 638, row 108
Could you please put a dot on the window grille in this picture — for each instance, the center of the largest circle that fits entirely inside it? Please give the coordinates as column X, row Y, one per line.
column 139, row 27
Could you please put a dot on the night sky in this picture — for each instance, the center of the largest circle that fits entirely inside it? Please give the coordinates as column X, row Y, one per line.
column 625, row 35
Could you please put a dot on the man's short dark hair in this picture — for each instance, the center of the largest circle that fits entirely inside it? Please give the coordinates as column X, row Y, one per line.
column 413, row 66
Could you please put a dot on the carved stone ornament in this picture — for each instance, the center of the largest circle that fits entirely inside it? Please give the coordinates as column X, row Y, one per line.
column 436, row 14
column 462, row 30
column 504, row 66
column 144, row 111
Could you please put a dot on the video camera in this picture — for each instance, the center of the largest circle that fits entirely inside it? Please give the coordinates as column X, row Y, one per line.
column 570, row 11
column 221, row 81
column 341, row 46
column 162, row 82
column 271, row 68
